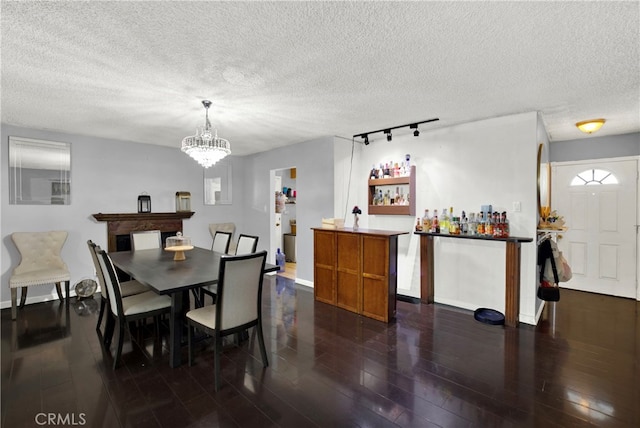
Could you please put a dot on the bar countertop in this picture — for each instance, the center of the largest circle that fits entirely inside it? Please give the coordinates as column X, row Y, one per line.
column 363, row 231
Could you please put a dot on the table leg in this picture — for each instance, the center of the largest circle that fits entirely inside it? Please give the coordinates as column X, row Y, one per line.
column 512, row 285
column 426, row 269
column 175, row 330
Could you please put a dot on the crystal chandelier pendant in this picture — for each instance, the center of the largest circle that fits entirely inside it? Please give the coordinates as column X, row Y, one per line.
column 205, row 147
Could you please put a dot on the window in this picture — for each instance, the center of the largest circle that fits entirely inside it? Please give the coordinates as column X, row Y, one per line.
column 594, row 177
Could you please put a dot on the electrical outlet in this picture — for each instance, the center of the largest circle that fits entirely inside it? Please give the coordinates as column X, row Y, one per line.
column 517, row 207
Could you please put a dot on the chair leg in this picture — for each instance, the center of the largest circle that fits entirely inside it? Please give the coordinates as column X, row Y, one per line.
column 190, row 344
column 103, row 303
column 263, row 349
column 23, row 296
column 14, row 303
column 216, row 360
column 59, row 291
column 66, row 290
column 116, row 359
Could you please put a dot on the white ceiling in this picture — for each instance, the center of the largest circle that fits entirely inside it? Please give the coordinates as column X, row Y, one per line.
column 279, row 73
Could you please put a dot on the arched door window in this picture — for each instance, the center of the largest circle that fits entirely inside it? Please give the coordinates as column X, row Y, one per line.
column 594, row 177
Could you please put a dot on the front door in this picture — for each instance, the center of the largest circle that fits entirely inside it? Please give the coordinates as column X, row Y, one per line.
column 598, row 200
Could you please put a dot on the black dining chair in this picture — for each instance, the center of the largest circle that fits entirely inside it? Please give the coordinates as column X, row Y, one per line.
column 127, row 288
column 237, row 308
column 246, row 244
column 131, row 308
column 221, row 241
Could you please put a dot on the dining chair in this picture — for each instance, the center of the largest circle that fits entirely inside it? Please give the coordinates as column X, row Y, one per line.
column 221, row 242
column 246, row 244
column 223, row 227
column 40, row 264
column 238, row 306
column 130, row 308
column 127, row 288
column 146, row 240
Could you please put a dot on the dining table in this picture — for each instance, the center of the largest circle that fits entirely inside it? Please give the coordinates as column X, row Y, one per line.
column 157, row 269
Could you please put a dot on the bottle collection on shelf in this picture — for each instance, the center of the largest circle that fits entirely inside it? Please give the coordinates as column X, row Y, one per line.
column 392, row 169
column 485, row 224
column 388, row 198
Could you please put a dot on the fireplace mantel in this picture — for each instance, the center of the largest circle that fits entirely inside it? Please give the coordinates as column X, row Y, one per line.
column 124, row 223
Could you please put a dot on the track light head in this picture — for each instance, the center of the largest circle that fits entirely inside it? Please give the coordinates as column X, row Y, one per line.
column 388, row 132
column 366, row 139
column 416, row 132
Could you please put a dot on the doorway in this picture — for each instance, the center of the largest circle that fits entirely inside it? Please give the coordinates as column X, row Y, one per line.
column 283, row 215
column 599, row 201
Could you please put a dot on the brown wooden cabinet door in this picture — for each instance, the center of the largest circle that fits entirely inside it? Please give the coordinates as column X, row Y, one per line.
column 324, row 250
column 375, row 277
column 348, row 271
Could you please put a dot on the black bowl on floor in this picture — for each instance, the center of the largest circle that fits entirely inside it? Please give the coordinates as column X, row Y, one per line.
column 489, row 316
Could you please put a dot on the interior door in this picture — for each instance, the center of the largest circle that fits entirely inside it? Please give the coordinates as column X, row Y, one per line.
column 598, row 200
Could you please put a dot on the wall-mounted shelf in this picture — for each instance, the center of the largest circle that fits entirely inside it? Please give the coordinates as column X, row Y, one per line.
column 408, row 182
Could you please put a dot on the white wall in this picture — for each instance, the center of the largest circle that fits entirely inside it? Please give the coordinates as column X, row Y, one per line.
column 465, row 166
column 107, row 176
column 314, row 185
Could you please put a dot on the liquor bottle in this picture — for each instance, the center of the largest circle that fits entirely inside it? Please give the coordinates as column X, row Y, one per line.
column 418, row 225
column 386, row 171
column 374, row 172
column 380, row 198
column 480, row 228
column 488, row 226
column 444, row 222
column 473, row 226
column 464, row 225
column 435, row 225
column 426, row 221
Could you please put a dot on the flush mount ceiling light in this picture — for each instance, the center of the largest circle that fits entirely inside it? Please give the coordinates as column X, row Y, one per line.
column 590, row 126
column 206, row 147
column 414, row 125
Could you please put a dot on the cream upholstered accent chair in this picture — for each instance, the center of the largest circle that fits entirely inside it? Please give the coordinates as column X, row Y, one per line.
column 131, row 308
column 246, row 244
column 41, row 264
column 146, row 240
column 223, row 227
column 127, row 288
column 238, row 306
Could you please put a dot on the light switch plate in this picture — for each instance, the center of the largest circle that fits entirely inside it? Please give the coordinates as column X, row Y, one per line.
column 517, row 207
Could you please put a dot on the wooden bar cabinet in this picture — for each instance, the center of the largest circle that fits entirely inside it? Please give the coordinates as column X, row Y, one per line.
column 356, row 270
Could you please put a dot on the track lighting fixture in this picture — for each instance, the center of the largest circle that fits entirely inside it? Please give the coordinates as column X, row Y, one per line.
column 414, row 126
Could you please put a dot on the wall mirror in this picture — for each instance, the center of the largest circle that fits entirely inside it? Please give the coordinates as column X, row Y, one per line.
column 39, row 172
column 544, row 182
column 217, row 183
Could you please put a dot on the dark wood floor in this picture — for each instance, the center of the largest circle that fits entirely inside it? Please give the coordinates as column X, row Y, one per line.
column 435, row 366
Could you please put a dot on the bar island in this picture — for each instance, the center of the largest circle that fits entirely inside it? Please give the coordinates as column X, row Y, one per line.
column 356, row 270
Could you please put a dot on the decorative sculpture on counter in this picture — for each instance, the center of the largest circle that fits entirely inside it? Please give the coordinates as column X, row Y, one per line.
column 355, row 211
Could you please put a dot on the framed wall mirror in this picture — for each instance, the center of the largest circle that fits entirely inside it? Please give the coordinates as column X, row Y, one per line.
column 39, row 172
column 544, row 182
column 217, row 183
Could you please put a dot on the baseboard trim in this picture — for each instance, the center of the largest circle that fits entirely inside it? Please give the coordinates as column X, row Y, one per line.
column 407, row 299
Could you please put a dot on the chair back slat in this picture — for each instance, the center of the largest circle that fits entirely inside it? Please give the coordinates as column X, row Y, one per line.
column 97, row 267
column 146, row 240
column 112, row 282
column 239, row 289
column 221, row 242
column 246, row 244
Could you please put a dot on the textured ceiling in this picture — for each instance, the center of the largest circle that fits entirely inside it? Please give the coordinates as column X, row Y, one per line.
column 279, row 73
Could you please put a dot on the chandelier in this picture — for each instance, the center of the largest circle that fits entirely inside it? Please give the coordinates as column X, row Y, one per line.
column 206, row 147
